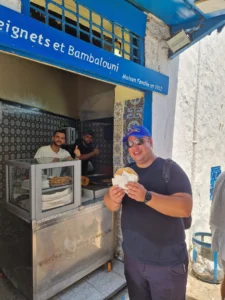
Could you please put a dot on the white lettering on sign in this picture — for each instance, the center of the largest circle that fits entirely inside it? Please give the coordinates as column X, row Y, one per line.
column 93, row 60
column 128, row 78
column 111, row 64
column 143, row 83
column 16, row 32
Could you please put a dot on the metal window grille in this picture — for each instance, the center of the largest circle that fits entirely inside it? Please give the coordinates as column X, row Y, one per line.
column 77, row 20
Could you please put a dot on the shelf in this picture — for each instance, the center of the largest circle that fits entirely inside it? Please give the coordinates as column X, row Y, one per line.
column 56, row 188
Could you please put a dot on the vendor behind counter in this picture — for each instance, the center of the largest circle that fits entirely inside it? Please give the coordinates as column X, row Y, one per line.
column 87, row 150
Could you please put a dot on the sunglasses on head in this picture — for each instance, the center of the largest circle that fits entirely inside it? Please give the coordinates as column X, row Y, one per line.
column 137, row 141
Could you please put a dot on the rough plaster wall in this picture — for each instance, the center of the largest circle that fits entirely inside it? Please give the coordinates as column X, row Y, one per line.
column 156, row 58
column 12, row 4
column 200, row 120
column 185, row 107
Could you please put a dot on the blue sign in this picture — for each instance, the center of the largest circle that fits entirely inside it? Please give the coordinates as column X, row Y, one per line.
column 215, row 172
column 110, row 10
column 30, row 38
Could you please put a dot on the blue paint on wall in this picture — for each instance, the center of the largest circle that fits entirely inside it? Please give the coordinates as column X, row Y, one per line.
column 215, row 172
column 46, row 44
column 147, row 118
column 25, row 7
column 174, row 12
column 121, row 12
column 169, row 11
column 109, row 10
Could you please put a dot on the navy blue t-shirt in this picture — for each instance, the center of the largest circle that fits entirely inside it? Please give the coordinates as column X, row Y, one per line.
column 84, row 149
column 147, row 234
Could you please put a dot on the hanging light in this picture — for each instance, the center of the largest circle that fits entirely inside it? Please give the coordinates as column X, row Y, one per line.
column 178, row 41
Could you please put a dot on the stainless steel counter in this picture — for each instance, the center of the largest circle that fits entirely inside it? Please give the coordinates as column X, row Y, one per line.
column 59, row 250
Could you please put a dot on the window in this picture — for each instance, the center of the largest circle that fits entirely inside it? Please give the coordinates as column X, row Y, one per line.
column 77, row 20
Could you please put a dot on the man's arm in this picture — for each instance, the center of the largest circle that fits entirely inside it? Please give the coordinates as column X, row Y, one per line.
column 70, row 158
column 66, row 155
column 177, row 205
column 113, row 198
column 87, row 156
column 38, row 153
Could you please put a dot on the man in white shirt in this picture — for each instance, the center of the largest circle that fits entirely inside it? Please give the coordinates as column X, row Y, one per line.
column 55, row 151
column 217, row 224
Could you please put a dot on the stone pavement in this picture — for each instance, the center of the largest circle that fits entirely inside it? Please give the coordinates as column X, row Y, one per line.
column 196, row 290
column 102, row 285
column 98, row 285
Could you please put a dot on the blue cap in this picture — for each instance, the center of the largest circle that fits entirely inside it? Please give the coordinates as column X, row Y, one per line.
column 137, row 131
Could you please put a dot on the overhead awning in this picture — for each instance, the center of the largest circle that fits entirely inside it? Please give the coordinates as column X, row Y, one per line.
column 195, row 18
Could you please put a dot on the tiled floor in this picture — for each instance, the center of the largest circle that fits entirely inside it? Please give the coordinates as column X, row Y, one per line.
column 98, row 285
column 123, row 295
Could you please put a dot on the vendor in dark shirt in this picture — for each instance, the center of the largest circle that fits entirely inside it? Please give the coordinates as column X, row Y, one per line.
column 86, row 149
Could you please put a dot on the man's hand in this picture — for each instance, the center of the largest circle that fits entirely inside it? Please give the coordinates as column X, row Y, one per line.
column 96, row 151
column 136, row 191
column 77, row 152
column 56, row 160
column 116, row 194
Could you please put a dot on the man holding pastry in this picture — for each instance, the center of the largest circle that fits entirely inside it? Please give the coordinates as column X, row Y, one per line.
column 155, row 253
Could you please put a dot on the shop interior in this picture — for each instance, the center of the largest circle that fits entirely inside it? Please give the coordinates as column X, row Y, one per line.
column 48, row 246
column 37, row 99
column 88, row 104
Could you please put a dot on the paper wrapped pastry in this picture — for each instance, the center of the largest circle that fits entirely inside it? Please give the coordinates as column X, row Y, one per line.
column 123, row 176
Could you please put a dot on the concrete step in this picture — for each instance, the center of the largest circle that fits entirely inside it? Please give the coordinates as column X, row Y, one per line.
column 99, row 285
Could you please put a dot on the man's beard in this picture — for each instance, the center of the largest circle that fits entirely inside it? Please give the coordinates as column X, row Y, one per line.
column 86, row 144
column 57, row 144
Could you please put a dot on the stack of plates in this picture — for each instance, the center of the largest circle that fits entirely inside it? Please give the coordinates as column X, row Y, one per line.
column 26, row 184
column 57, row 199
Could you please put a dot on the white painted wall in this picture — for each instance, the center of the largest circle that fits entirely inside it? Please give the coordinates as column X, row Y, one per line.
column 200, row 119
column 156, row 58
column 189, row 123
column 12, row 4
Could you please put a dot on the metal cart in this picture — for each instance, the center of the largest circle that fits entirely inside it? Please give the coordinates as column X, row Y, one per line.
column 60, row 239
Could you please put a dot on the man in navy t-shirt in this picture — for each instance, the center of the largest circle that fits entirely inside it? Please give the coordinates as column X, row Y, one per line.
column 85, row 147
column 155, row 252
